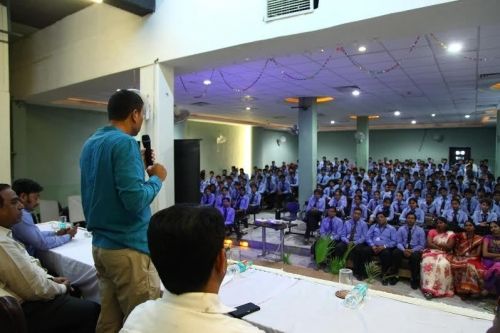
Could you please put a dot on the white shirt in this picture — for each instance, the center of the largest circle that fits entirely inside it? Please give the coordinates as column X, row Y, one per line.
column 22, row 275
column 186, row 313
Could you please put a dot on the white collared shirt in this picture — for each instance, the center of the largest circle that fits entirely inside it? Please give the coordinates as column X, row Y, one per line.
column 22, row 275
column 186, row 313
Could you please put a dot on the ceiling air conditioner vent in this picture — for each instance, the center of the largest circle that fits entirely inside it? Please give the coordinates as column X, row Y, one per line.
column 278, row 9
column 200, row 103
column 489, row 75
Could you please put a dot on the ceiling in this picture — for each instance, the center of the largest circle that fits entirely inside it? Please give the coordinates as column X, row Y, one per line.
column 415, row 75
column 410, row 72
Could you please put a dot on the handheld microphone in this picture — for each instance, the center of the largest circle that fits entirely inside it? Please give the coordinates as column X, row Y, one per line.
column 148, row 154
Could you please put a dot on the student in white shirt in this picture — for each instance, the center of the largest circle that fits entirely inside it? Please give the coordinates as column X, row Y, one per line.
column 192, row 277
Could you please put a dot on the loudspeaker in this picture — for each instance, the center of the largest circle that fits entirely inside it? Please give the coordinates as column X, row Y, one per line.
column 187, row 171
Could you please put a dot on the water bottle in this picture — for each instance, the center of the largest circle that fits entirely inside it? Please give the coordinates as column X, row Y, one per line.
column 355, row 296
column 237, row 268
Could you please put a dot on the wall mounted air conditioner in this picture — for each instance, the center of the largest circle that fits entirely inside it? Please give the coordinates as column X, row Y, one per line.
column 278, row 9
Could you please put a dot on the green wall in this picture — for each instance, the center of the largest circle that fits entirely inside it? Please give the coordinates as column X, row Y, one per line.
column 47, row 144
column 411, row 143
column 402, row 144
column 235, row 151
column 265, row 148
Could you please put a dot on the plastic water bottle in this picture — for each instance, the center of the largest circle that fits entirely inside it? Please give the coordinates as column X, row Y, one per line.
column 355, row 296
column 237, row 268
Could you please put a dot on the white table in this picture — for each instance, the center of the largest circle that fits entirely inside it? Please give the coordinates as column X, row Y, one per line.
column 74, row 261
column 291, row 303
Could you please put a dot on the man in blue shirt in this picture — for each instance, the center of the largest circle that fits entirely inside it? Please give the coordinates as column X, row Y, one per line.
column 314, row 211
column 26, row 231
column 381, row 241
column 354, row 234
column 410, row 244
column 116, row 199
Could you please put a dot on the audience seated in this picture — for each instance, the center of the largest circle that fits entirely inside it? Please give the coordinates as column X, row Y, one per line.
column 466, row 266
column 410, row 244
column 192, row 277
column 422, row 191
column 436, row 276
column 26, row 231
column 491, row 259
column 44, row 299
column 314, row 211
column 381, row 241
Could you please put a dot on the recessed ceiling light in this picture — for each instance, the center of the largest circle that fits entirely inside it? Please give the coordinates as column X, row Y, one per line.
column 248, row 108
column 332, row 122
column 356, row 92
column 247, row 59
column 397, row 113
column 495, row 86
column 322, row 50
column 455, row 47
column 97, row 1
column 413, row 122
column 207, row 82
column 362, row 48
column 467, row 116
column 433, row 115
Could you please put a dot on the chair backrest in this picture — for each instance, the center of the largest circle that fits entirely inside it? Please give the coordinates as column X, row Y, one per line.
column 75, row 208
column 49, row 210
column 11, row 315
column 292, row 208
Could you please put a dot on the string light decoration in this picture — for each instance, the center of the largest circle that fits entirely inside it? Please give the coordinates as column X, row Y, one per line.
column 444, row 46
column 340, row 48
column 376, row 72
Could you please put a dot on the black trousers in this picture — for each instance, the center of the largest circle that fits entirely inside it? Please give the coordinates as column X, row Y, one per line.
column 385, row 256
column 63, row 314
column 355, row 255
column 312, row 221
column 240, row 217
column 414, row 261
column 281, row 200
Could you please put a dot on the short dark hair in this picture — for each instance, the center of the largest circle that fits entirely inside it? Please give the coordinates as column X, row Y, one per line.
column 184, row 242
column 24, row 185
column 3, row 187
column 412, row 214
column 122, row 103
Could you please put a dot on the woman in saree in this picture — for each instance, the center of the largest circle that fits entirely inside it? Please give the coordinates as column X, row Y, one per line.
column 466, row 265
column 435, row 271
column 491, row 259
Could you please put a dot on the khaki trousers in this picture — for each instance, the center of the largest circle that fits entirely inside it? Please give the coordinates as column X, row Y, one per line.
column 126, row 278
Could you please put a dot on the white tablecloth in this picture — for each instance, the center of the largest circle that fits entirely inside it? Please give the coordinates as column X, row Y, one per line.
column 297, row 304
column 74, row 261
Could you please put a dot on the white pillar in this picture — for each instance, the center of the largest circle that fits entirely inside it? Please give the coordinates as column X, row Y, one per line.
column 308, row 145
column 157, row 83
column 5, row 172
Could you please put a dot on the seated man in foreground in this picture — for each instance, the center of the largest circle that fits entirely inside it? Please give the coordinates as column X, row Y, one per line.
column 187, row 249
column 44, row 299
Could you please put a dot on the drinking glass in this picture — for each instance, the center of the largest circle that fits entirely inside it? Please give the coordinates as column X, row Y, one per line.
column 345, row 276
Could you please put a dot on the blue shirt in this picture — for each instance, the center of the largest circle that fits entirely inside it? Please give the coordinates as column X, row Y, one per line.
column 419, row 214
column 314, row 202
column 33, row 238
column 228, row 214
column 115, row 195
column 417, row 241
column 381, row 236
column 461, row 216
column 254, row 199
column 331, row 227
column 207, row 199
column 359, row 234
